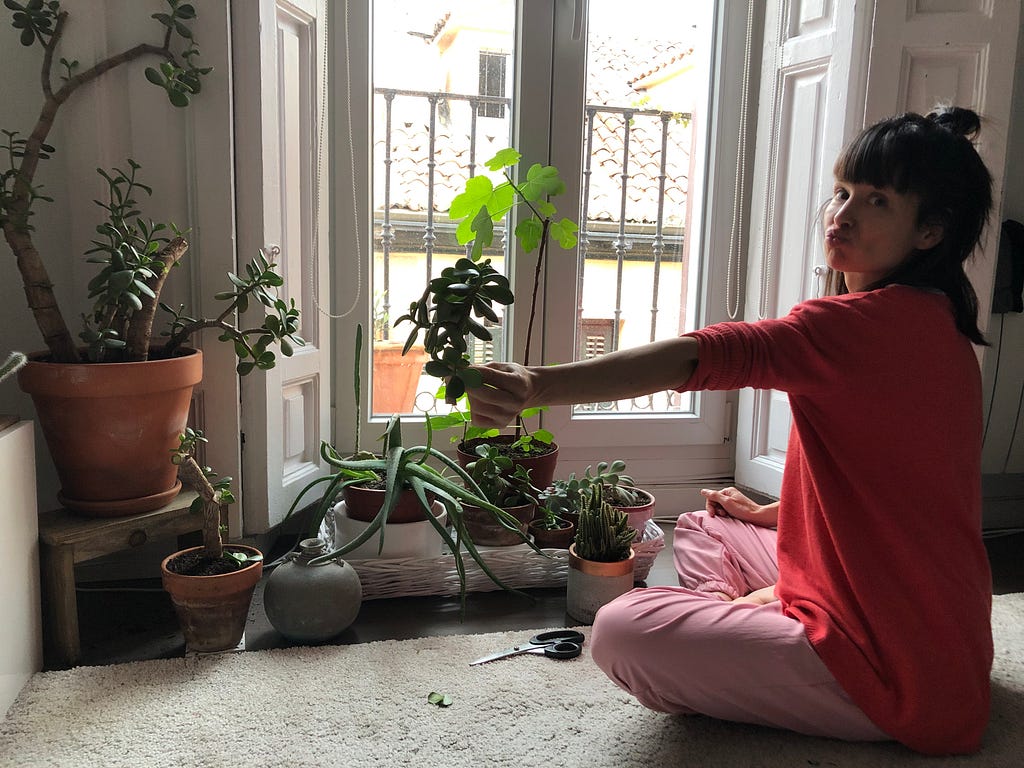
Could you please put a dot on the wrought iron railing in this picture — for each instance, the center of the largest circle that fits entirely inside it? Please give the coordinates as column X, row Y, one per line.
column 621, row 235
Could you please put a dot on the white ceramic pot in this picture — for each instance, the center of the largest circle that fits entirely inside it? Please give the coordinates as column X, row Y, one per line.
column 401, row 540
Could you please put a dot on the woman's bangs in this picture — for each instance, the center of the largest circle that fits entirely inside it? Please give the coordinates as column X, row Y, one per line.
column 878, row 157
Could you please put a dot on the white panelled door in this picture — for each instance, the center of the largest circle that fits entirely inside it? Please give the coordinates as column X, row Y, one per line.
column 279, row 119
column 811, row 86
column 827, row 70
column 959, row 52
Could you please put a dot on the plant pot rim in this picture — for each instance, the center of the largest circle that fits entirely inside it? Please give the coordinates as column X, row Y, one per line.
column 650, row 502
column 39, row 357
column 244, row 547
column 599, row 568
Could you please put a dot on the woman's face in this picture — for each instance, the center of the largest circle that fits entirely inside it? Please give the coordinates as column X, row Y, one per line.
column 870, row 231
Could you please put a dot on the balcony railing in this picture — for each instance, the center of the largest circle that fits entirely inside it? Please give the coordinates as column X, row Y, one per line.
column 633, row 210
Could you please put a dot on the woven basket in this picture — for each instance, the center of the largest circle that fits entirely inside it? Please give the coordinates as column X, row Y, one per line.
column 519, row 567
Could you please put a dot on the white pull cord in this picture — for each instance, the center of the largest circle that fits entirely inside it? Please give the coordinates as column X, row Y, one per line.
column 315, row 261
column 732, row 282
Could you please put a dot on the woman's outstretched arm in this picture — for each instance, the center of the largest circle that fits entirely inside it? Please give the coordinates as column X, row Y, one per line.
column 509, row 387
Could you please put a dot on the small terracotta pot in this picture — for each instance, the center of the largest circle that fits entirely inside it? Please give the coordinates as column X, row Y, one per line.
column 364, row 503
column 488, row 532
column 111, row 427
column 212, row 610
column 542, row 466
column 552, row 538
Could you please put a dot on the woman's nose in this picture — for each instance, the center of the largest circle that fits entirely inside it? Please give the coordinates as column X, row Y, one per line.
column 842, row 214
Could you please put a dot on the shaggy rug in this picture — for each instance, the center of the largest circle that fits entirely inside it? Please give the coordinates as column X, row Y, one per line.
column 367, row 705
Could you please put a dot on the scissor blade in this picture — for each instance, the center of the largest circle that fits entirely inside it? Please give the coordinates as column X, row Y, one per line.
column 495, row 656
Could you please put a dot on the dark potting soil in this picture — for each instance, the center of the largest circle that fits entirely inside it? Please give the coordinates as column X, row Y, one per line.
column 198, row 564
column 504, row 448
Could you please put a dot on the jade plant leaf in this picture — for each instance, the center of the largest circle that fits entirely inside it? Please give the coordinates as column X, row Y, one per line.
column 439, row 699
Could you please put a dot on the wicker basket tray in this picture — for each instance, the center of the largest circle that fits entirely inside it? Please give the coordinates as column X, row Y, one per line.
column 519, row 567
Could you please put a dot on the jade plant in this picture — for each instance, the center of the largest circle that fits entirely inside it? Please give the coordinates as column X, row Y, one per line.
column 455, row 305
column 502, row 482
column 602, row 532
column 214, row 497
column 136, row 254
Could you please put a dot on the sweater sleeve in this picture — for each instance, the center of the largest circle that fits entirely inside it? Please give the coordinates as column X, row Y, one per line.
column 796, row 353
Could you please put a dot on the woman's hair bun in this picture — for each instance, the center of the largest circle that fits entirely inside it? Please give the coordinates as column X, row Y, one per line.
column 958, row 120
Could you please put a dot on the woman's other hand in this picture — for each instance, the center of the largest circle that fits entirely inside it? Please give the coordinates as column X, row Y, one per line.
column 732, row 503
column 505, row 392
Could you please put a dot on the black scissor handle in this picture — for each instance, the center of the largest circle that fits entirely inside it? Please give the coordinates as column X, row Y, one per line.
column 558, row 636
column 564, row 650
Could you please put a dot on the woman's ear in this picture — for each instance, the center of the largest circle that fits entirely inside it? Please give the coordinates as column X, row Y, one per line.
column 929, row 235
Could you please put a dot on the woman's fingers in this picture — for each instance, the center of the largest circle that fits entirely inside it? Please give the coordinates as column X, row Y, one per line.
column 502, row 396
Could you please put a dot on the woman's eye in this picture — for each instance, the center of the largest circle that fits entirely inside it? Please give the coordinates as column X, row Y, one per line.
column 879, row 202
column 840, row 194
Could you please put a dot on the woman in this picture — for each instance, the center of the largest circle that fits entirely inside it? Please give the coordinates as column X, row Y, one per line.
column 865, row 615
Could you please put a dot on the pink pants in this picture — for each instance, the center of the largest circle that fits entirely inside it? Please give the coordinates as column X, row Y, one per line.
column 684, row 650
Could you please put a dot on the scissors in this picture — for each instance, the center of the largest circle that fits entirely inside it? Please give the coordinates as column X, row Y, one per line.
column 557, row 644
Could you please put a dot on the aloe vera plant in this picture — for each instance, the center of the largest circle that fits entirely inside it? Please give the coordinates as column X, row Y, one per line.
column 406, row 467
column 401, row 467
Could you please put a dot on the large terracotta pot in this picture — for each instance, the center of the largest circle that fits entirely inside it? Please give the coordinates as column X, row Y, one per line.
column 541, row 466
column 396, row 376
column 111, row 427
column 212, row 610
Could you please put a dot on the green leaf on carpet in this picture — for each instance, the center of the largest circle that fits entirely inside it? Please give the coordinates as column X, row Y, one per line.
column 440, row 699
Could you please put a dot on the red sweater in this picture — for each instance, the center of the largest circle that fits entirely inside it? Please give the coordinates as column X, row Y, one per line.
column 880, row 549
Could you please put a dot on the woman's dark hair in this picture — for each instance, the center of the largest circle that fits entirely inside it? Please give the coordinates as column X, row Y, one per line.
column 933, row 158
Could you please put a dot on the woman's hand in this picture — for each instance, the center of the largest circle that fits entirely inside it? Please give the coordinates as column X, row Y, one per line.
column 505, row 392
column 761, row 596
column 730, row 502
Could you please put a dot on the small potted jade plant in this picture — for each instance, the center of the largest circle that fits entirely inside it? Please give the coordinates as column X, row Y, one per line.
column 456, row 304
column 506, row 486
column 601, row 558
column 211, row 586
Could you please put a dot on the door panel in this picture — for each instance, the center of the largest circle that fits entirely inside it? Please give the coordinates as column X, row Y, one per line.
column 808, row 81
column 285, row 411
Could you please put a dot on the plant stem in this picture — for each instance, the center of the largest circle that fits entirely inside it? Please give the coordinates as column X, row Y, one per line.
column 192, row 475
column 35, row 278
column 140, row 328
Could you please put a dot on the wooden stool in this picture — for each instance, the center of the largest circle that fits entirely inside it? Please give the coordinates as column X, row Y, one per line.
column 67, row 538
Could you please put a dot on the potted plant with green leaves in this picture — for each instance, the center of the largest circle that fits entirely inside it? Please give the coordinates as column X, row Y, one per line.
column 111, row 407
column 506, row 486
column 210, row 586
column 456, row 305
column 550, row 530
column 420, row 469
column 601, row 558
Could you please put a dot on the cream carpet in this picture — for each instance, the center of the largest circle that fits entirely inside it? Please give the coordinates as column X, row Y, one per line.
column 366, row 705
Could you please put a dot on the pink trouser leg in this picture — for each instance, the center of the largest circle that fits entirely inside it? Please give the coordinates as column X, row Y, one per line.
column 683, row 650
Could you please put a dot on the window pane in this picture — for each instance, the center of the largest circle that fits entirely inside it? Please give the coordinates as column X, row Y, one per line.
column 646, row 101
column 433, row 60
